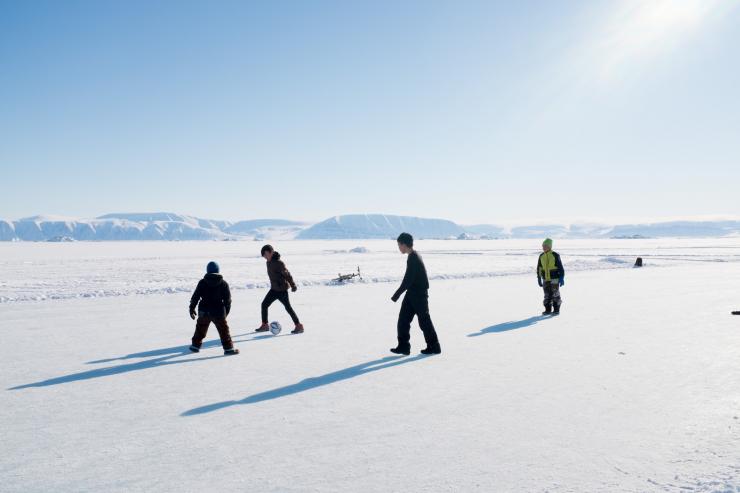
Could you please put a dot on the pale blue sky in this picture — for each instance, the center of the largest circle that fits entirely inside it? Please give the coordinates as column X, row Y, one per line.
column 474, row 111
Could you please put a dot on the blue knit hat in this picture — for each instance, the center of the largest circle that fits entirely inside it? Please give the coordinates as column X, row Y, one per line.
column 212, row 268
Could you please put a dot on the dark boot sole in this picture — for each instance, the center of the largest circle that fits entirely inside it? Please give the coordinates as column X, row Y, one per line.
column 405, row 353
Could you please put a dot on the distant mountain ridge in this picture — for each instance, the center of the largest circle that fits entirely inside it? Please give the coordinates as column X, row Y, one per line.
column 174, row 227
column 370, row 226
column 143, row 226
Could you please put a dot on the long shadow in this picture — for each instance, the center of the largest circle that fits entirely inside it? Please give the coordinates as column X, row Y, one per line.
column 310, row 383
column 179, row 349
column 506, row 326
column 165, row 355
column 116, row 370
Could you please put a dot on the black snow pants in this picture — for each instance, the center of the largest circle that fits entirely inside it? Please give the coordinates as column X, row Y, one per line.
column 552, row 294
column 282, row 297
column 416, row 304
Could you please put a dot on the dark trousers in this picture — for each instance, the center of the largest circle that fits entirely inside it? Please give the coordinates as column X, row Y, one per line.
column 282, row 297
column 201, row 329
column 552, row 294
column 415, row 305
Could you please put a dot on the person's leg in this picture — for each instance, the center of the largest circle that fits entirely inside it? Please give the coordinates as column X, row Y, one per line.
column 547, row 301
column 284, row 298
column 421, row 307
column 555, row 294
column 405, row 316
column 270, row 298
column 201, row 329
column 223, row 332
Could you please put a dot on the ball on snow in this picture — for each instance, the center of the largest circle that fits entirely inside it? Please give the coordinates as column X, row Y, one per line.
column 275, row 328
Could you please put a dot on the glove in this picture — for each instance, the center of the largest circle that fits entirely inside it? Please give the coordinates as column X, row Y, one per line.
column 562, row 282
column 294, row 288
column 192, row 314
column 539, row 281
column 395, row 298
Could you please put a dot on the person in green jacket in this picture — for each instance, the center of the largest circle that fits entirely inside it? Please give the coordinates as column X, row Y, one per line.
column 550, row 277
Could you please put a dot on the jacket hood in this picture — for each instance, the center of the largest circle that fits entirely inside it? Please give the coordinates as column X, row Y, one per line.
column 213, row 279
column 275, row 256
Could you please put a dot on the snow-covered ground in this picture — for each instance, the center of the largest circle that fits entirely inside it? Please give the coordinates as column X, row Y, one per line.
column 636, row 387
column 42, row 271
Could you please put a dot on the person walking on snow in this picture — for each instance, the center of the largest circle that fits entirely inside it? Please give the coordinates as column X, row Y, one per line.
column 416, row 302
column 212, row 296
column 280, row 280
column 550, row 277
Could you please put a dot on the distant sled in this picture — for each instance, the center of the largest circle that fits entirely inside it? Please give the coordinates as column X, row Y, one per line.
column 342, row 278
column 736, row 312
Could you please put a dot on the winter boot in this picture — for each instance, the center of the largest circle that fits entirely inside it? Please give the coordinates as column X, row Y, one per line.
column 298, row 329
column 400, row 350
column 432, row 349
column 229, row 352
column 548, row 310
column 556, row 310
column 262, row 328
column 194, row 349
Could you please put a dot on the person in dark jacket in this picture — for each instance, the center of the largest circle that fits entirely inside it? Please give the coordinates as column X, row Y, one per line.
column 280, row 281
column 416, row 302
column 550, row 277
column 212, row 296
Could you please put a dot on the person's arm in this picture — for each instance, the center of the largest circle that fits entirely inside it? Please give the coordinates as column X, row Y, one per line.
column 227, row 298
column 287, row 276
column 195, row 299
column 561, row 269
column 539, row 267
column 412, row 269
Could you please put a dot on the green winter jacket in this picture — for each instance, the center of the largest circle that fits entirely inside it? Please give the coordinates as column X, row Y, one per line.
column 549, row 267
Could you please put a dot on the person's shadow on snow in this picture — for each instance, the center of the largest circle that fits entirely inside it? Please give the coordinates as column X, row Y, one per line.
column 310, row 383
column 506, row 326
column 166, row 357
column 177, row 349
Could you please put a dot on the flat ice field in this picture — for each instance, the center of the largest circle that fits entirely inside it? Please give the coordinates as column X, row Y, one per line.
column 635, row 387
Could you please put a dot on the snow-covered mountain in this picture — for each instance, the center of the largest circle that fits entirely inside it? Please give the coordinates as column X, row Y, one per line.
column 367, row 226
column 170, row 226
column 142, row 226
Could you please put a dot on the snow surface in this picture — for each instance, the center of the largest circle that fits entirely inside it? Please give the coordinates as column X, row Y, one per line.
column 634, row 388
column 37, row 271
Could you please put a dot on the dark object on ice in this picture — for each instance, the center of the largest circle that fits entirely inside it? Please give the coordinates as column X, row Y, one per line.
column 400, row 350
column 229, row 352
column 298, row 329
column 736, row 312
column 638, row 262
column 347, row 277
column 195, row 349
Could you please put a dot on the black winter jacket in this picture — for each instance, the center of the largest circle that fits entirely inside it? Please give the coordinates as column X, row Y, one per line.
column 214, row 296
column 415, row 281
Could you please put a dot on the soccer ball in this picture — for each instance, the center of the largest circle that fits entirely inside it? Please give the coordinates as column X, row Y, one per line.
column 275, row 328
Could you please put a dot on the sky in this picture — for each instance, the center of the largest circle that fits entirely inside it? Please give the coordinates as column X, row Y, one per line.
column 474, row 111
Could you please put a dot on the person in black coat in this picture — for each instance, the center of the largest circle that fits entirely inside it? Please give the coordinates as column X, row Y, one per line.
column 212, row 296
column 416, row 302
